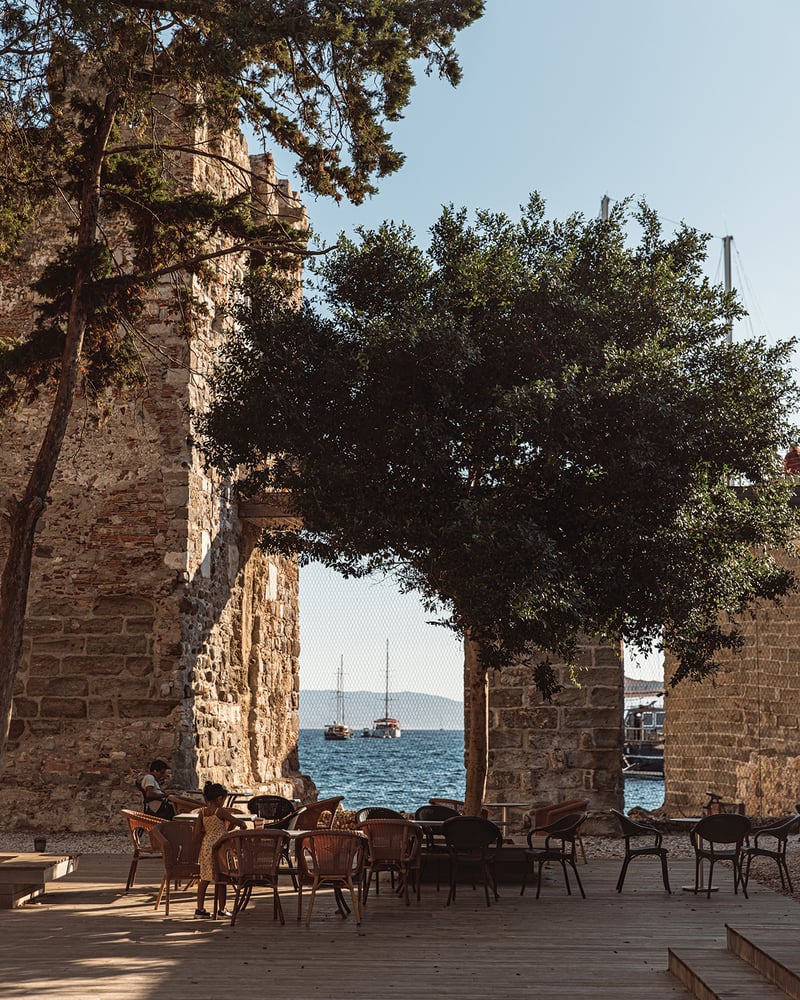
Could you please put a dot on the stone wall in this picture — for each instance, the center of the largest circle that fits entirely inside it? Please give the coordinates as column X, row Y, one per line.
column 738, row 733
column 155, row 627
column 544, row 752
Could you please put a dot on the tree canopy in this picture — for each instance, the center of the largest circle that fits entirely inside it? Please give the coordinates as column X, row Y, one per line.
column 539, row 425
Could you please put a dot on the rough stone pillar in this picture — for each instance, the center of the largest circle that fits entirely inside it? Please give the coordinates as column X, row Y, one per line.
column 544, row 752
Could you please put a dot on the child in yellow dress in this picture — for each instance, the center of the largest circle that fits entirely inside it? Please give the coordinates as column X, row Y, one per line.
column 212, row 823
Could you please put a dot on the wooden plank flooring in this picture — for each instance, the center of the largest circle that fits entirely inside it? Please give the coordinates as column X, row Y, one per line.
column 89, row 940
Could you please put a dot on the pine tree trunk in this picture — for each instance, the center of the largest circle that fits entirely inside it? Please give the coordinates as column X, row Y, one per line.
column 478, row 722
column 24, row 513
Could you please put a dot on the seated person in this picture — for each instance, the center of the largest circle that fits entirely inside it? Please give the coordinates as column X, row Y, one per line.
column 156, row 800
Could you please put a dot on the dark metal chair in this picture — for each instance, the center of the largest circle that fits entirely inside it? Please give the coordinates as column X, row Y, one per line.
column 636, row 833
column 270, row 807
column 246, row 859
column 376, row 812
column 559, row 847
column 719, row 837
column 471, row 843
column 779, row 833
column 435, row 848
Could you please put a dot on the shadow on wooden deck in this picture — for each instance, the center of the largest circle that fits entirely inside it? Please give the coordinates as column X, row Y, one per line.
column 89, row 939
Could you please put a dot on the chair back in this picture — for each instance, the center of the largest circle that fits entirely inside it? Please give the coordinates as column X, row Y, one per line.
column 391, row 840
column 139, row 826
column 330, row 854
column 248, row 854
column 471, row 833
column 780, row 829
column 435, row 814
column 565, row 829
column 455, row 804
column 376, row 812
column 721, row 828
column 270, row 806
column 630, row 828
column 179, row 847
column 543, row 816
column 314, row 814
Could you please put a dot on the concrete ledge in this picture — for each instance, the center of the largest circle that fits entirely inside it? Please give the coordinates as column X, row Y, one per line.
column 25, row 876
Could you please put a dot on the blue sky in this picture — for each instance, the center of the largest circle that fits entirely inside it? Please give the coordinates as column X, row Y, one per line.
column 691, row 105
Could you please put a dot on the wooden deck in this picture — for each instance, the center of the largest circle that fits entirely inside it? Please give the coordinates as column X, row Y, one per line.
column 88, row 939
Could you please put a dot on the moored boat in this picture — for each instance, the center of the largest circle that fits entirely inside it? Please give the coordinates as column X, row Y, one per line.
column 338, row 730
column 386, row 727
column 643, row 750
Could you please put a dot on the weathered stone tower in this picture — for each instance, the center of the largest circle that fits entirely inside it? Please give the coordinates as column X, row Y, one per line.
column 738, row 733
column 155, row 627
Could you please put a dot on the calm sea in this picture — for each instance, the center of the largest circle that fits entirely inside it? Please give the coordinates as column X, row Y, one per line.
column 403, row 774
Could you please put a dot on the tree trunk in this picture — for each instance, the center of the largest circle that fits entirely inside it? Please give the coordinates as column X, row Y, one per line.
column 478, row 725
column 23, row 514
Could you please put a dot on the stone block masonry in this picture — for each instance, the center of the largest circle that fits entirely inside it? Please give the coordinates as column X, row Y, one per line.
column 737, row 733
column 156, row 627
column 543, row 752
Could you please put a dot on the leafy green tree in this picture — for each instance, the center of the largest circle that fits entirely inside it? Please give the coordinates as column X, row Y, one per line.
column 96, row 102
column 533, row 423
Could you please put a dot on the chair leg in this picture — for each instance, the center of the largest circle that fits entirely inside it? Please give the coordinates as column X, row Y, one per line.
column 539, row 880
column 566, row 877
column 621, row 879
column 782, row 864
column 710, row 873
column 578, row 878
column 664, row 873
column 583, row 850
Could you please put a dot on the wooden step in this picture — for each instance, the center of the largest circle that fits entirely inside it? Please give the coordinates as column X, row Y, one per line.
column 772, row 950
column 716, row 974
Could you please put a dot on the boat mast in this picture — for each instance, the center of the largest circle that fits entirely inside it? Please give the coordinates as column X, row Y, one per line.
column 386, row 702
column 340, row 692
column 726, row 256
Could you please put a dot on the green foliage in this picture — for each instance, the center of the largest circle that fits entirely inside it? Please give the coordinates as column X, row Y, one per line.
column 319, row 78
column 534, row 423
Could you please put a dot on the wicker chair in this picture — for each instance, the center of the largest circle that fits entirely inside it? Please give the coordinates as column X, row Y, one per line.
column 455, row 804
column 179, row 848
column 139, row 826
column 393, row 845
column 245, row 859
column 333, row 858
column 319, row 815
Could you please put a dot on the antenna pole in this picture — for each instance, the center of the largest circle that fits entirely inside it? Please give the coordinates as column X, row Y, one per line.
column 726, row 254
column 604, row 203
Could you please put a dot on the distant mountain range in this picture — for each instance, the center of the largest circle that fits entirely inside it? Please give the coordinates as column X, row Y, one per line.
column 412, row 709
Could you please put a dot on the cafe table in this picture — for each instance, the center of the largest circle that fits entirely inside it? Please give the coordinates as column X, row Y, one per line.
column 689, row 822
column 504, row 807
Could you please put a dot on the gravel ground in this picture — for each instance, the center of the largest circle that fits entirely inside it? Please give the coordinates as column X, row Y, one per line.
column 599, row 847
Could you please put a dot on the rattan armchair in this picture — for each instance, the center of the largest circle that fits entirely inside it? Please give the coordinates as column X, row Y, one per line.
column 179, row 849
column 393, row 845
column 246, row 859
column 333, row 858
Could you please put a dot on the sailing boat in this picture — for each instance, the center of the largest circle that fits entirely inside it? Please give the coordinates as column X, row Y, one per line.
column 386, row 727
column 338, row 730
